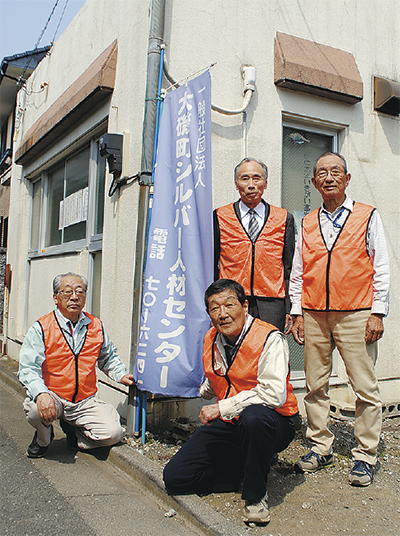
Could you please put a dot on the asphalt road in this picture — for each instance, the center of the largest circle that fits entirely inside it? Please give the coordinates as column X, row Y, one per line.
column 70, row 494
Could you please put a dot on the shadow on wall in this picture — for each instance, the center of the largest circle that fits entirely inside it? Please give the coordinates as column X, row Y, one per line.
column 391, row 128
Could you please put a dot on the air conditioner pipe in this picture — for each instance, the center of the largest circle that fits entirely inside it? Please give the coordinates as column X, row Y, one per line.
column 249, row 77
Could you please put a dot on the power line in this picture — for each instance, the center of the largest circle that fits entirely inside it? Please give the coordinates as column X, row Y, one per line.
column 47, row 23
column 40, row 38
column 59, row 22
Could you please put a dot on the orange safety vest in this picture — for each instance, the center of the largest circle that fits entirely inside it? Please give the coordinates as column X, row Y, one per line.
column 242, row 374
column 257, row 266
column 339, row 279
column 71, row 376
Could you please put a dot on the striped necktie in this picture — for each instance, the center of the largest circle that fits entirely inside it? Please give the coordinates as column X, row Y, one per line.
column 253, row 225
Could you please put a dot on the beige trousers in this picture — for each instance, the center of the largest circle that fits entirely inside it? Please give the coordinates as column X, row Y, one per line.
column 97, row 424
column 345, row 330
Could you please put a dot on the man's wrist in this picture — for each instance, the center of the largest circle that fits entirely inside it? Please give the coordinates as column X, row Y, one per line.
column 223, row 406
column 296, row 310
column 41, row 393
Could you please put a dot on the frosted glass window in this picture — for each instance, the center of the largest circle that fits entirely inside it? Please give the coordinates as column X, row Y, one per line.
column 300, row 149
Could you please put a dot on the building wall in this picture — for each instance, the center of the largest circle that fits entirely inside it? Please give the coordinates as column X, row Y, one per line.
column 4, row 200
column 197, row 34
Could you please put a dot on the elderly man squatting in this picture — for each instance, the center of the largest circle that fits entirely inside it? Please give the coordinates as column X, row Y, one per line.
column 246, row 364
column 58, row 369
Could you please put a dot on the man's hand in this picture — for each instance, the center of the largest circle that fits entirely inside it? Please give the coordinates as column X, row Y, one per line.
column 209, row 414
column 127, row 379
column 288, row 324
column 47, row 408
column 298, row 329
column 374, row 328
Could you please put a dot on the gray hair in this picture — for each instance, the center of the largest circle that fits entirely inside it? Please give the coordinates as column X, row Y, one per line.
column 247, row 159
column 329, row 153
column 57, row 281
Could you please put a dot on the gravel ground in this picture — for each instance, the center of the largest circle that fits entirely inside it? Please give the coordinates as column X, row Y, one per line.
column 318, row 504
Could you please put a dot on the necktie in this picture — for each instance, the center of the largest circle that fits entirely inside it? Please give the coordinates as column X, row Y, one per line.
column 253, row 225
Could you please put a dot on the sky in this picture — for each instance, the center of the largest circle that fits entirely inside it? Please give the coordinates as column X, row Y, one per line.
column 22, row 22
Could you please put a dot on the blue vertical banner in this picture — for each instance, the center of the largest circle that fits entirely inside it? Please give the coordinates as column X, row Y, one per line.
column 179, row 264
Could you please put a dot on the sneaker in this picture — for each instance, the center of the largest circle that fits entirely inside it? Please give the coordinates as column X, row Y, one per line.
column 312, row 462
column 257, row 512
column 361, row 474
column 35, row 450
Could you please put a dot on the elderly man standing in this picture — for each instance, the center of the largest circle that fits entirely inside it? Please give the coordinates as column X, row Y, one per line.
column 246, row 363
column 254, row 245
column 58, row 369
column 340, row 282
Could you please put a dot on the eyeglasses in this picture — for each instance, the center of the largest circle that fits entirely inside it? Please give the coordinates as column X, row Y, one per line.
column 323, row 173
column 79, row 293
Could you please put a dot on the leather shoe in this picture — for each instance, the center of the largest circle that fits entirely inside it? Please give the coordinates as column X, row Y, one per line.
column 35, row 450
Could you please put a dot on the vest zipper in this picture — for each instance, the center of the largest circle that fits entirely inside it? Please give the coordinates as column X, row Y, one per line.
column 253, row 256
column 229, row 384
column 329, row 256
column 327, row 279
column 76, row 378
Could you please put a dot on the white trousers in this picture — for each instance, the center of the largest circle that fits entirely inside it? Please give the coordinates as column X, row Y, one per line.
column 97, row 424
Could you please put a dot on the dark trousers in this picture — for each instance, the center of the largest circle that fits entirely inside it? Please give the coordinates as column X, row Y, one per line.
column 272, row 310
column 217, row 457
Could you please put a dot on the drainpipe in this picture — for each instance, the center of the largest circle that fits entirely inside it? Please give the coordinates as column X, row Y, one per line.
column 156, row 34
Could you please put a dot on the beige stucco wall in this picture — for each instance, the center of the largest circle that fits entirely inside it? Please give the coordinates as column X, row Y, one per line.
column 231, row 34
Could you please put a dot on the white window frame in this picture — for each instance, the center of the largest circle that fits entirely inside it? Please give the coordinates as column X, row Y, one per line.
column 92, row 241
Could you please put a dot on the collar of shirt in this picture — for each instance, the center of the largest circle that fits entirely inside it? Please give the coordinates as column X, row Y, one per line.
column 347, row 203
column 259, row 211
column 226, row 342
column 83, row 320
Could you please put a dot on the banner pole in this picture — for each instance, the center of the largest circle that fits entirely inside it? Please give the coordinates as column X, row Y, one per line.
column 144, row 416
column 136, row 430
column 156, row 131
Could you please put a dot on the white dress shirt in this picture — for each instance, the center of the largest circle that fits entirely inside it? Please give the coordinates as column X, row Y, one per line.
column 376, row 247
column 259, row 212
